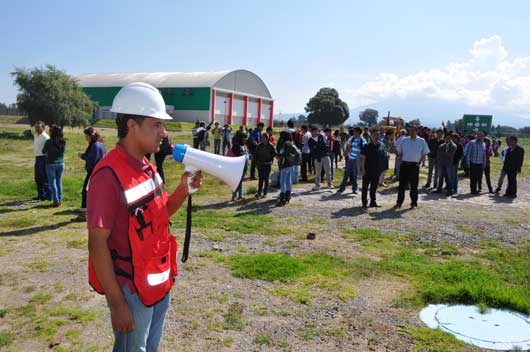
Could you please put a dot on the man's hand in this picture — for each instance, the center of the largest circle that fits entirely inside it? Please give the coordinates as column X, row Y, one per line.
column 177, row 198
column 196, row 181
column 121, row 317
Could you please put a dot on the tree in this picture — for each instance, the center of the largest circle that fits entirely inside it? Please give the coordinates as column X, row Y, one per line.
column 369, row 116
column 415, row 122
column 326, row 108
column 50, row 95
column 301, row 118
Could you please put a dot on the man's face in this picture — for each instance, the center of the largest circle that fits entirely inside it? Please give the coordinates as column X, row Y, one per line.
column 356, row 133
column 149, row 135
column 480, row 137
column 375, row 136
column 39, row 128
column 447, row 139
column 314, row 133
column 455, row 139
column 260, row 128
column 413, row 132
column 439, row 134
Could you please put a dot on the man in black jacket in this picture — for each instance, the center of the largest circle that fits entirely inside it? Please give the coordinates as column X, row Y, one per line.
column 513, row 162
column 433, row 144
column 320, row 154
column 373, row 162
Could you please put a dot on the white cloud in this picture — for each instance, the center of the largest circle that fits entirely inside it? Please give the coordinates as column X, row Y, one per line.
column 487, row 78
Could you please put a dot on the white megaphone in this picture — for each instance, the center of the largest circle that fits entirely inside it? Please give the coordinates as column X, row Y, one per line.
column 228, row 169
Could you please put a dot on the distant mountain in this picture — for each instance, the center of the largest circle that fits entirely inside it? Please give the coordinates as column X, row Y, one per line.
column 431, row 112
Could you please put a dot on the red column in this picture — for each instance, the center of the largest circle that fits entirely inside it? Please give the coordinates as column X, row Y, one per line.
column 271, row 113
column 213, row 105
column 259, row 111
column 230, row 101
column 245, row 110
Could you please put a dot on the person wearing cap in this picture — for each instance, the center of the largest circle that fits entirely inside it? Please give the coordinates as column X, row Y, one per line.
column 132, row 255
column 412, row 151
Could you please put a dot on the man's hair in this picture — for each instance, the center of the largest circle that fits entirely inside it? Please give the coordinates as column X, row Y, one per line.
column 261, row 124
column 313, row 128
column 357, row 129
column 40, row 123
column 304, row 127
column 327, row 130
column 376, row 130
column 290, row 124
column 121, row 123
column 513, row 138
column 269, row 129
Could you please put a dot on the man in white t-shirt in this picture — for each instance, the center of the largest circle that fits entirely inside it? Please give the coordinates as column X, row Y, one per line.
column 43, row 192
column 412, row 150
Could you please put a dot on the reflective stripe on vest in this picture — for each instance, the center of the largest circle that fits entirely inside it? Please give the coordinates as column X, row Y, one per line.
column 137, row 192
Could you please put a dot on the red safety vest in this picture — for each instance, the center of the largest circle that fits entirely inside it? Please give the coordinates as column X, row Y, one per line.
column 153, row 249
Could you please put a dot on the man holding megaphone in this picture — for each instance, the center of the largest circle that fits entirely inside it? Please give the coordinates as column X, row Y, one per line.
column 132, row 255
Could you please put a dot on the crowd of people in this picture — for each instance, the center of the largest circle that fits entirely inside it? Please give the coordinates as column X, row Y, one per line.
column 366, row 154
column 132, row 255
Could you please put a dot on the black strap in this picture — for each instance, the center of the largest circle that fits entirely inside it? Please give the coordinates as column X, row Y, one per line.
column 123, row 273
column 141, row 203
column 187, row 238
column 115, row 256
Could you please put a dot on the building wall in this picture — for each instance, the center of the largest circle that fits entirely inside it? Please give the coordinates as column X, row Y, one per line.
column 194, row 99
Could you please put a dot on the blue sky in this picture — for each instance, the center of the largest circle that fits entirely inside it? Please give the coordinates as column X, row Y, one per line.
column 295, row 46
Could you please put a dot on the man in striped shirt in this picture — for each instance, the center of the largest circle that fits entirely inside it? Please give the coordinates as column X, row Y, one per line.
column 476, row 161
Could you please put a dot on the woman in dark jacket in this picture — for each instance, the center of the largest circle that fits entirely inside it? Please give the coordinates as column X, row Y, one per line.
column 288, row 159
column 54, row 150
column 238, row 149
column 92, row 155
column 264, row 155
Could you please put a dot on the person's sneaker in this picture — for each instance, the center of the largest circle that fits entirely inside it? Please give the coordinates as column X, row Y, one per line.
column 497, row 190
column 413, row 206
column 364, row 206
column 375, row 205
column 340, row 190
column 264, row 195
column 258, row 195
column 331, row 187
column 354, row 192
column 427, row 185
column 240, row 198
column 397, row 206
column 315, row 188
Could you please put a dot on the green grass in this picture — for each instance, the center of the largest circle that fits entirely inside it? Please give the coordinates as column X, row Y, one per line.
column 230, row 221
column 5, row 339
column 262, row 340
column 304, row 277
column 433, row 340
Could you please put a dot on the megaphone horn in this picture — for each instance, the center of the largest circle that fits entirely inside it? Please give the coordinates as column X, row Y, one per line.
column 228, row 169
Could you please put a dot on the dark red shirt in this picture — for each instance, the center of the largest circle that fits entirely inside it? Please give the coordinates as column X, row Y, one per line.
column 107, row 209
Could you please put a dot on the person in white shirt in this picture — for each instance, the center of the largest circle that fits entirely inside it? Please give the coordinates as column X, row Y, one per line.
column 412, row 150
column 43, row 192
column 397, row 142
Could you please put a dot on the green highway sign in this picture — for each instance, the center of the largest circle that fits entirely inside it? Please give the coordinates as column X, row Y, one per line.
column 477, row 123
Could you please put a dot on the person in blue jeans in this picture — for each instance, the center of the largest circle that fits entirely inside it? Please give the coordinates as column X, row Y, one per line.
column 92, row 155
column 289, row 157
column 238, row 149
column 264, row 157
column 54, row 151
column 353, row 149
column 41, row 180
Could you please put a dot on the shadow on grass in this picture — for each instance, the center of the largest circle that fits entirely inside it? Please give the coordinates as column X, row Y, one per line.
column 348, row 212
column 34, row 230
column 67, row 212
column 391, row 213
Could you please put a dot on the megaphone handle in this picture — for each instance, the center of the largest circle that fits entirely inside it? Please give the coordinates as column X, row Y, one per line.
column 187, row 237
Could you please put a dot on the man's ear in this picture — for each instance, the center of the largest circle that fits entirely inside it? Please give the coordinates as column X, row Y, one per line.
column 131, row 125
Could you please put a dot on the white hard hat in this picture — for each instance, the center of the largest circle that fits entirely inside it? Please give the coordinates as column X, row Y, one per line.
column 139, row 98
